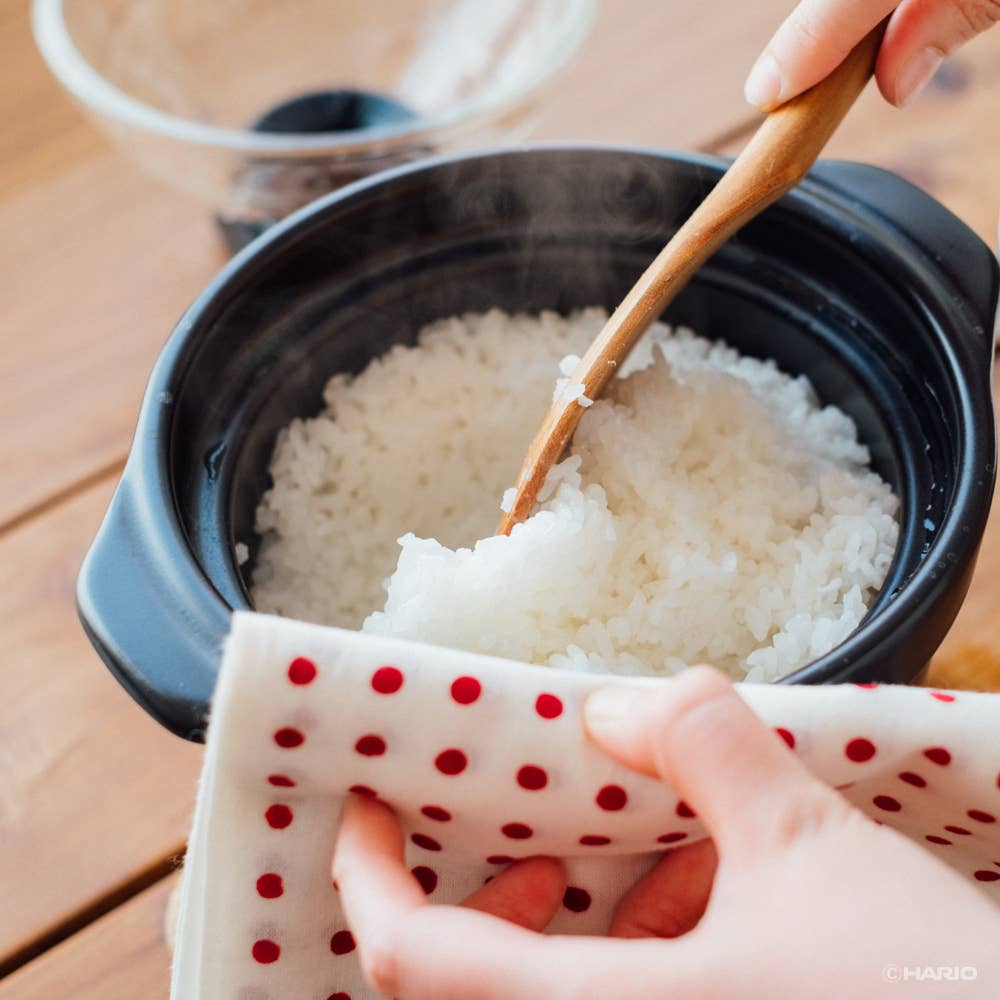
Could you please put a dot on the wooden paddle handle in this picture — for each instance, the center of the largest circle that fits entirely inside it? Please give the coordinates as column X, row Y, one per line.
column 776, row 158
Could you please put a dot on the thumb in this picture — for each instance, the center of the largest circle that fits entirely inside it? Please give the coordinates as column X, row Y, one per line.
column 920, row 34
column 809, row 45
column 695, row 732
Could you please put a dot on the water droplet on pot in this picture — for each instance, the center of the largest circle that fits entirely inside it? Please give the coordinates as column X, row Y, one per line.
column 213, row 460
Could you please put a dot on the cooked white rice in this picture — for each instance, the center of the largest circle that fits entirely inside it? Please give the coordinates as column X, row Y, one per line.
column 709, row 511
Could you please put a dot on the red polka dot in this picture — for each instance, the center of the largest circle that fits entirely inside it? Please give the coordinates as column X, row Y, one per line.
column 787, row 736
column 938, row 755
column 611, row 798
column 288, row 738
column 451, row 761
column 594, row 840
column 532, row 778
column 342, row 943
column 427, row 878
column 301, row 671
column 436, row 813
column 912, row 779
column 942, row 696
column 685, row 811
column 548, row 706
column 959, row 830
column 985, row 875
column 427, row 843
column 278, row 816
column 576, row 900
column 280, row 781
column 465, row 690
column 387, row 680
column 364, row 790
column 265, row 951
column 499, row 859
column 859, row 750
column 887, row 802
column 981, row 817
column 670, row 838
column 370, row 746
column 270, row 886
column 517, row 831
column 935, row 839
column 867, row 686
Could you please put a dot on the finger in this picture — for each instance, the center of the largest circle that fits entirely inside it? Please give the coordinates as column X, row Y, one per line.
column 414, row 951
column 920, row 34
column 409, row 949
column 450, row 953
column 376, row 890
column 528, row 893
column 696, row 733
column 371, row 842
column 809, row 45
column 672, row 898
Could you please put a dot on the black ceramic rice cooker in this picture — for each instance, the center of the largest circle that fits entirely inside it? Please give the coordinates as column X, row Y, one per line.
column 857, row 279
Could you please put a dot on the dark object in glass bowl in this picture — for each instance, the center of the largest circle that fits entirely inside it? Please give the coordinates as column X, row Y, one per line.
column 290, row 183
column 857, row 279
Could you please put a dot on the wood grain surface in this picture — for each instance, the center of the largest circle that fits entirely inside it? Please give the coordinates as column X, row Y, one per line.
column 659, row 73
column 95, row 796
column 96, row 264
column 122, row 956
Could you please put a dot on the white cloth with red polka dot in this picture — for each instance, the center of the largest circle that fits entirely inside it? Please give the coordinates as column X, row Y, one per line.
column 485, row 760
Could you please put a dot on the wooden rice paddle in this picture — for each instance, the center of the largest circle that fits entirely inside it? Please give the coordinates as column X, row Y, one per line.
column 777, row 157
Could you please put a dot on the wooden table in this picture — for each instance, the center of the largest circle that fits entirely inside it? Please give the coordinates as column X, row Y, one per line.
column 96, row 263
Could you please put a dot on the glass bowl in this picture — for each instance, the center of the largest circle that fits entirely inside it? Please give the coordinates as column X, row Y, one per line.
column 258, row 106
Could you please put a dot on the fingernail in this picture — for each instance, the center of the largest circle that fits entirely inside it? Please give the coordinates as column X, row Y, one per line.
column 763, row 86
column 608, row 710
column 916, row 74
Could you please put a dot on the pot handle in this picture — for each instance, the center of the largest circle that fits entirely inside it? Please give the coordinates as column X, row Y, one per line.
column 953, row 247
column 155, row 621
